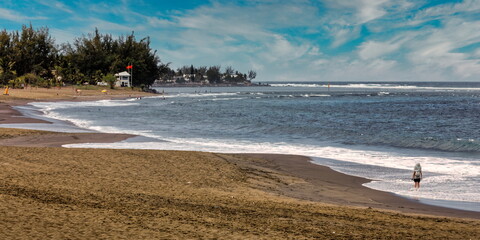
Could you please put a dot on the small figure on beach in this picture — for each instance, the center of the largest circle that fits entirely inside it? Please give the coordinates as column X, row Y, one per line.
column 417, row 175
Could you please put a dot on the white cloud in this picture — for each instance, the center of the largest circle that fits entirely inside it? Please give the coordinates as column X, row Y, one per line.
column 280, row 49
column 342, row 35
column 10, row 15
column 62, row 35
column 248, row 35
column 297, row 40
column 318, row 62
column 381, row 66
column 249, row 38
column 13, row 16
column 348, row 69
column 374, row 49
column 370, row 10
column 158, row 22
column 476, row 53
column 344, row 19
column 314, row 51
column 439, row 49
column 469, row 9
column 449, row 9
column 55, row 4
column 362, row 10
column 110, row 27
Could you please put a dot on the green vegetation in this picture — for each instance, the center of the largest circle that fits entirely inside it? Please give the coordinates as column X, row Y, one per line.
column 31, row 57
column 203, row 74
column 110, row 80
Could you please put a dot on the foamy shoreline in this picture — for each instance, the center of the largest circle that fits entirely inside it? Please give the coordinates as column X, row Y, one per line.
column 121, row 137
column 155, row 144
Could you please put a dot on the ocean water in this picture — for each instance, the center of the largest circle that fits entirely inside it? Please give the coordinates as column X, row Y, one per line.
column 373, row 130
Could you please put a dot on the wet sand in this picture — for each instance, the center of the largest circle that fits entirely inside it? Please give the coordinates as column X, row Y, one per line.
column 322, row 184
column 10, row 115
column 52, row 192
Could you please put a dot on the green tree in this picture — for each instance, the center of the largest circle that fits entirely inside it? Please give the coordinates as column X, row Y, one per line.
column 229, row 74
column 110, row 80
column 146, row 64
column 7, row 61
column 214, row 75
column 34, row 52
column 96, row 55
column 92, row 55
column 32, row 79
column 251, row 75
column 201, row 71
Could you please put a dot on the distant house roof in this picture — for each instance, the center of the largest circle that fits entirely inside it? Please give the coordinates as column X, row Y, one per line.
column 124, row 73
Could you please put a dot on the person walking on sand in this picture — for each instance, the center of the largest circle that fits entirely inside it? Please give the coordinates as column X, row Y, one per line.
column 417, row 175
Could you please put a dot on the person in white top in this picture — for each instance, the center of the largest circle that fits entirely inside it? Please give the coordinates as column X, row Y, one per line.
column 417, row 175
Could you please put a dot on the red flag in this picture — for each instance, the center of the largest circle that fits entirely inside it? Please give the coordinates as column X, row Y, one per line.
column 129, row 66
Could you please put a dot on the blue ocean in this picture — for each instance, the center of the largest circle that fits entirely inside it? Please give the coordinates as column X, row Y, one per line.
column 373, row 130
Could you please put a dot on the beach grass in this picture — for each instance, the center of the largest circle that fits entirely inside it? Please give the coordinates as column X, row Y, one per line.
column 60, row 193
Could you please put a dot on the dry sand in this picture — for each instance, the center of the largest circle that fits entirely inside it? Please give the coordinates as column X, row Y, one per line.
column 58, row 193
column 22, row 96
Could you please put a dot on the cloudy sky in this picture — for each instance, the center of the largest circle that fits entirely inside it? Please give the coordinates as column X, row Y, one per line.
column 295, row 40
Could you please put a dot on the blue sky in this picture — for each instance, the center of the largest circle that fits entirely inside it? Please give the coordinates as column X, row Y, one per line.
column 296, row 40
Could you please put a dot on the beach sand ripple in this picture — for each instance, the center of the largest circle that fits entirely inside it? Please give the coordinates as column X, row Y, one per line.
column 135, row 194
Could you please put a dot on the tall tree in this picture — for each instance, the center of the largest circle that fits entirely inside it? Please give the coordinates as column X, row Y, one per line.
column 92, row 55
column 6, row 57
column 229, row 74
column 251, row 75
column 229, row 70
column 214, row 75
column 97, row 55
column 34, row 51
column 201, row 72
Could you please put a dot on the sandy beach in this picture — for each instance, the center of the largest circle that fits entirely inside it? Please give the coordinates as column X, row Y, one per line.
column 51, row 192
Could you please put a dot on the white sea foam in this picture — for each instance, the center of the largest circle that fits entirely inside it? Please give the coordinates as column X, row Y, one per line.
column 195, row 95
column 373, row 86
column 47, row 106
column 226, row 99
column 439, row 165
column 297, row 85
column 316, row 95
column 438, row 170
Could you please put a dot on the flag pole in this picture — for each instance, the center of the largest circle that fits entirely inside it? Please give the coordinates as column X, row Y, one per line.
column 131, row 75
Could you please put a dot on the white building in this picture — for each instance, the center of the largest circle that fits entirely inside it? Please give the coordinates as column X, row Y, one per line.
column 123, row 79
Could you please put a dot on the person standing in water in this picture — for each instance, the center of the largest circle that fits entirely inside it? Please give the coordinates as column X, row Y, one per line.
column 417, row 175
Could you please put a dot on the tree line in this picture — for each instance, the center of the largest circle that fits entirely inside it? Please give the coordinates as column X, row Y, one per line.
column 31, row 57
column 212, row 74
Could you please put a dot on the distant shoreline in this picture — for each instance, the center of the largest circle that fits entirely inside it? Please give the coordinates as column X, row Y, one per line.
column 209, row 85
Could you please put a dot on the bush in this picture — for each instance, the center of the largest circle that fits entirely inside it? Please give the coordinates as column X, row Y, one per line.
column 18, row 82
column 30, row 79
column 110, row 79
column 6, row 77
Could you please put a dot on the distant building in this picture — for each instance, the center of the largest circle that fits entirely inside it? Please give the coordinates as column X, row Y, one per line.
column 189, row 77
column 123, row 79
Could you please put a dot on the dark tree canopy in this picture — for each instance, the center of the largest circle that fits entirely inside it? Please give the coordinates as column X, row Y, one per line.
column 88, row 59
column 31, row 57
column 213, row 74
column 29, row 51
column 96, row 55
